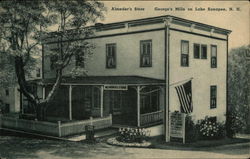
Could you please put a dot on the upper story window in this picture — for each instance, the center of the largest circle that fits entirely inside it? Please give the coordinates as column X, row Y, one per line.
column 213, row 97
column 79, row 61
column 146, row 53
column 200, row 51
column 184, row 53
column 213, row 56
column 38, row 72
column 110, row 55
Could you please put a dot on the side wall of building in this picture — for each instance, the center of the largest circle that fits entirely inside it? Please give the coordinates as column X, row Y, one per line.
column 10, row 100
column 203, row 75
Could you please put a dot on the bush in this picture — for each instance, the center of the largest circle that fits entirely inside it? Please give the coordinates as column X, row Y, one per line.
column 190, row 130
column 235, row 123
column 209, row 129
column 132, row 134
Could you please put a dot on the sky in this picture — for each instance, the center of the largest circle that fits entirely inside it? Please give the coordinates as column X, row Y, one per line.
column 236, row 20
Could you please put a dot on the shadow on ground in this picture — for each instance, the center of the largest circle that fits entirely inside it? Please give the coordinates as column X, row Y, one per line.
column 13, row 147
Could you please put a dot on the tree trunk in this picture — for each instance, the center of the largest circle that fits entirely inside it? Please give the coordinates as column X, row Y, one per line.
column 40, row 106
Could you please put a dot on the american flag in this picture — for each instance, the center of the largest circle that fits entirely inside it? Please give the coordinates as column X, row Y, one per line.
column 184, row 92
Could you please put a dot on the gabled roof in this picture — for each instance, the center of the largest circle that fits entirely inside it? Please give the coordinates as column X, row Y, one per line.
column 102, row 80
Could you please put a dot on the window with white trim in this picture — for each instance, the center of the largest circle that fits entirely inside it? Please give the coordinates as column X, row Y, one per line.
column 200, row 51
column 110, row 55
column 213, row 56
column 146, row 53
column 213, row 97
column 184, row 53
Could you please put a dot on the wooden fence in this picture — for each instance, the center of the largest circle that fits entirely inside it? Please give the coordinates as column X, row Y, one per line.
column 54, row 129
column 77, row 127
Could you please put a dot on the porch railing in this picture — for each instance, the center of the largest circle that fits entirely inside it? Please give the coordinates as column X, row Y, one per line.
column 151, row 118
column 54, row 129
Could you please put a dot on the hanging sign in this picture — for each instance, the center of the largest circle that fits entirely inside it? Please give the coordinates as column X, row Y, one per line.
column 177, row 127
column 116, row 87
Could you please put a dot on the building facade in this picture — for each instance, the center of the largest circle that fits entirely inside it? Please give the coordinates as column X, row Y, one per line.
column 135, row 67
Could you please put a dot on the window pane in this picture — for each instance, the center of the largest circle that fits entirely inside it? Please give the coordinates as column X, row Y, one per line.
column 184, row 47
column 113, row 51
column 213, row 51
column 184, row 60
column 213, row 62
column 213, row 96
column 213, row 56
column 146, row 48
column 203, row 51
column 111, row 56
column 196, row 51
column 109, row 51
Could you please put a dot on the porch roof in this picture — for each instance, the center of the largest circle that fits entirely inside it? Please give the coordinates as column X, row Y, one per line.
column 102, row 80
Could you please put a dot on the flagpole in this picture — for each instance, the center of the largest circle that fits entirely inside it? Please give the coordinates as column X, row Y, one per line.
column 175, row 83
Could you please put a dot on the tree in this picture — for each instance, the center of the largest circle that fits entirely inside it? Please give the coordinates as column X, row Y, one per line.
column 238, row 90
column 26, row 24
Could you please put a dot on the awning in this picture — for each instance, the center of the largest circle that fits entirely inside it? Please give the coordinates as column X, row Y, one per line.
column 102, row 80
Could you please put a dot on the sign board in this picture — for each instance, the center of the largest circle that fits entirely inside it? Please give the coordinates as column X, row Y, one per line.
column 116, row 87
column 177, row 126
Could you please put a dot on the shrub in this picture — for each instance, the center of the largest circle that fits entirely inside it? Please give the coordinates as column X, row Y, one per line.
column 132, row 134
column 235, row 123
column 190, row 130
column 209, row 129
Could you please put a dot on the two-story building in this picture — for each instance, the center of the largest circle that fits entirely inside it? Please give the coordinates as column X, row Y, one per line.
column 135, row 67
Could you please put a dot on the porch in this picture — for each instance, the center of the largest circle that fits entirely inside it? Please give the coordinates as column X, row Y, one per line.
column 132, row 100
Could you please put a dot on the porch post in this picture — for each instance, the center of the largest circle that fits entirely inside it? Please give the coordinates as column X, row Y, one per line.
column 70, row 102
column 101, row 101
column 138, row 106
